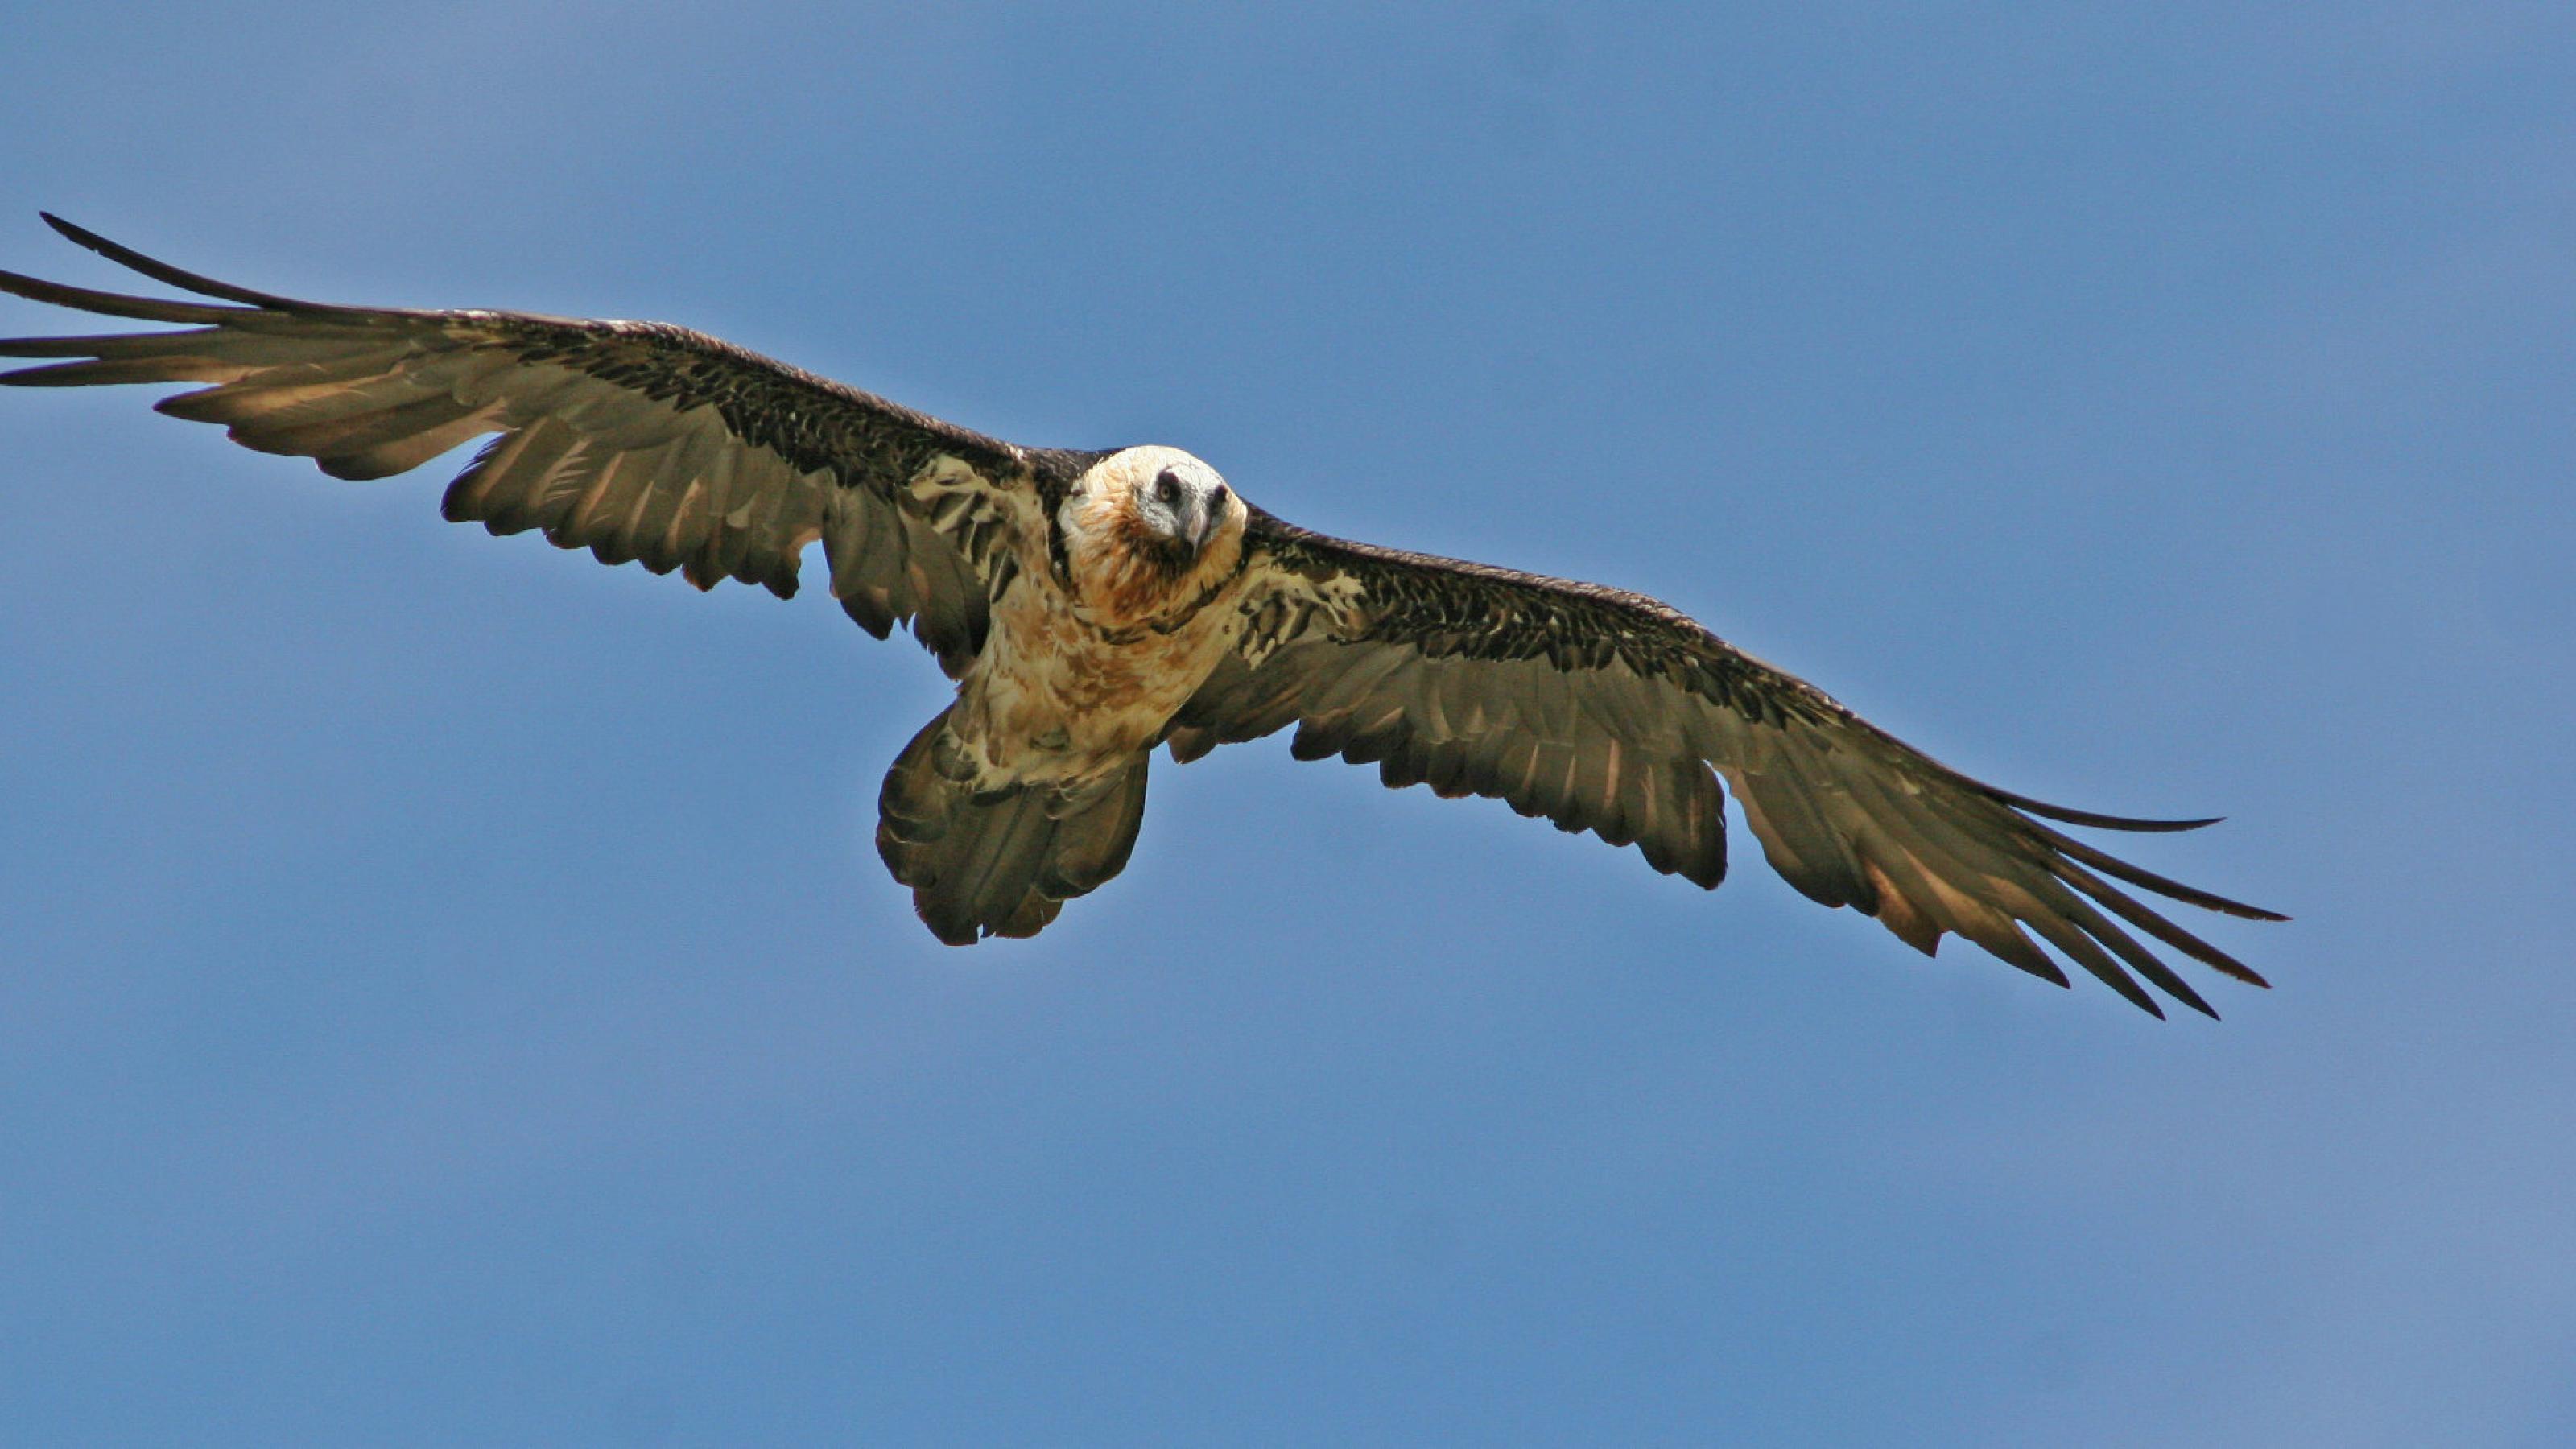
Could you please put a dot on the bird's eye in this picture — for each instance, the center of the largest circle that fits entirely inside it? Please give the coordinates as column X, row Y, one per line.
column 1168, row 487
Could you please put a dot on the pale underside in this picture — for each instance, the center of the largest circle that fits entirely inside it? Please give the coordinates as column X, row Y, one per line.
column 1083, row 668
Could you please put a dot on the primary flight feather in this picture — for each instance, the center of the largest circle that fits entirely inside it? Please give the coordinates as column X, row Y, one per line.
column 1093, row 604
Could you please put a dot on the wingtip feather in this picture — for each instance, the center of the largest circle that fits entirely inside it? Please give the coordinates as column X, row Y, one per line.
column 114, row 304
column 161, row 271
column 2097, row 820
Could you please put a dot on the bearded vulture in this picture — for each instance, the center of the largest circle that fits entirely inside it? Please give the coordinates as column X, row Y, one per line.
column 1093, row 605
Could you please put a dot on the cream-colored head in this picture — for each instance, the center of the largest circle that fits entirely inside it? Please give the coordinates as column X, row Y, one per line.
column 1148, row 529
column 1175, row 499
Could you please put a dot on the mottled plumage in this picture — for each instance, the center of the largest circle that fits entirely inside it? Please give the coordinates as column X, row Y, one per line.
column 1091, row 605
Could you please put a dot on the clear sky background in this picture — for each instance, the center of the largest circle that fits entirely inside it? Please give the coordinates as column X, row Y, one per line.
column 448, row 993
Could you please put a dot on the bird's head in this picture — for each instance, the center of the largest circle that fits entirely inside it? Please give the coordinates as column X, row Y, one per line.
column 1171, row 500
column 1151, row 525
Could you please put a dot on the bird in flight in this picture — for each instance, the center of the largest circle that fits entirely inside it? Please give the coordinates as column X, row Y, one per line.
column 1091, row 605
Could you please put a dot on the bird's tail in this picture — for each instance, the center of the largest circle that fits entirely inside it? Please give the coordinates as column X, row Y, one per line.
column 1000, row 863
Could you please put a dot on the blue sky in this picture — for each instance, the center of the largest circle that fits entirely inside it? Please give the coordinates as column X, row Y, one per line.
column 448, row 994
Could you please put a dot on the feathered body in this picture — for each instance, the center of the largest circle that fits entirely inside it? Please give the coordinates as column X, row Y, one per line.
column 1030, row 788
column 1091, row 605
column 1084, row 668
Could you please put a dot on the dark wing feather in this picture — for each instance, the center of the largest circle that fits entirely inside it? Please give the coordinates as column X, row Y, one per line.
column 637, row 440
column 1610, row 712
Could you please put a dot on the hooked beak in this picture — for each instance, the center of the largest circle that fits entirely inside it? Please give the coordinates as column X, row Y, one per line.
column 1211, row 517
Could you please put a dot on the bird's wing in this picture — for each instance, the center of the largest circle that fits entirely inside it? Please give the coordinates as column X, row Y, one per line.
column 638, row 440
column 1606, row 711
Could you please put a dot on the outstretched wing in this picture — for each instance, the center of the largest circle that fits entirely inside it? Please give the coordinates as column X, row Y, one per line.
column 1606, row 711
column 637, row 440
